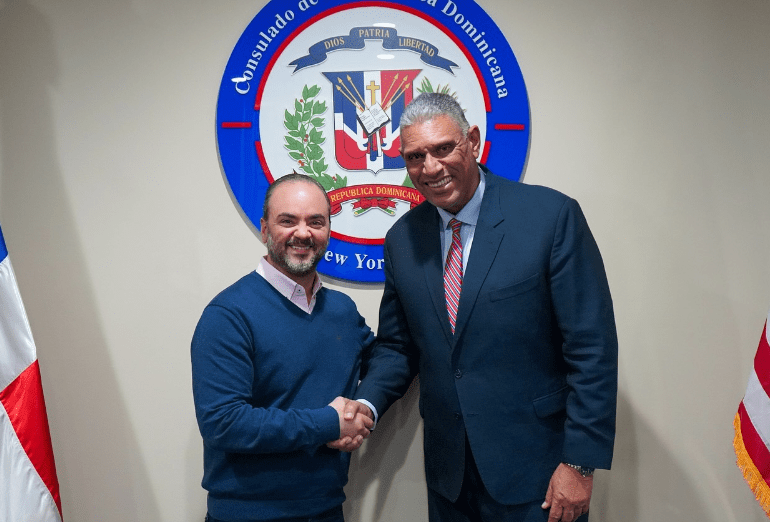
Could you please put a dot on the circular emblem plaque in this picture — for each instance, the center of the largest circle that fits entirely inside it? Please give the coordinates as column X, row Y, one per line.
column 318, row 87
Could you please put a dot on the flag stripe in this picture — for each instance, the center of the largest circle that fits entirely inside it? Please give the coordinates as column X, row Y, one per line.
column 756, row 449
column 24, row 403
column 762, row 364
column 24, row 496
column 17, row 349
column 757, row 406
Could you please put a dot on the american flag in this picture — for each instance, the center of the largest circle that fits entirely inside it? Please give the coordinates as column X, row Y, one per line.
column 752, row 426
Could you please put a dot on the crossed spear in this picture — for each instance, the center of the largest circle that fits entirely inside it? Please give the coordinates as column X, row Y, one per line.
column 401, row 89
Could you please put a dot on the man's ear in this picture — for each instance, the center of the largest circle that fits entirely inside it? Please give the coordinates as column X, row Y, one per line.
column 474, row 136
column 263, row 229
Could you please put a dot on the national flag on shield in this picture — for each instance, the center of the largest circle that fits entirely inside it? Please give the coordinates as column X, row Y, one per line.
column 29, row 489
column 752, row 426
column 361, row 140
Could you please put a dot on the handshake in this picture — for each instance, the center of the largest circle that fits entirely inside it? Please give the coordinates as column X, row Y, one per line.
column 356, row 422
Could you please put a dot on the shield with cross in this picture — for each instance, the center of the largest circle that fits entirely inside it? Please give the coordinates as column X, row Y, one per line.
column 367, row 109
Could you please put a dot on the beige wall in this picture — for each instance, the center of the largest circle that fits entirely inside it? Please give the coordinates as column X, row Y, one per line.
column 654, row 114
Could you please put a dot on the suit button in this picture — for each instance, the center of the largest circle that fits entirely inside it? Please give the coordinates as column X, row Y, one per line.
column 458, row 416
column 458, row 374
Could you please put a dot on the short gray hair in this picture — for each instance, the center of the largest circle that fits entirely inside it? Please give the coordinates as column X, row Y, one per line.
column 296, row 178
column 429, row 105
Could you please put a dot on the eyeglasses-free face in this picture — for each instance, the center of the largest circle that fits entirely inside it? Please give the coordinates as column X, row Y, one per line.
column 441, row 162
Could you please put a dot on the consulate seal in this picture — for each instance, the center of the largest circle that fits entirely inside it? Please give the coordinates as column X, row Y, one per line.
column 318, row 87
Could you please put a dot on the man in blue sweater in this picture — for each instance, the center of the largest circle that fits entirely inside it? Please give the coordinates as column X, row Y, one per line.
column 273, row 357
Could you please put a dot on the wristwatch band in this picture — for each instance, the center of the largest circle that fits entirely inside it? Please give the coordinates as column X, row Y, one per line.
column 585, row 472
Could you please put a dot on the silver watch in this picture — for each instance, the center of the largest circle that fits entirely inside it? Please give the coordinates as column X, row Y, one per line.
column 585, row 472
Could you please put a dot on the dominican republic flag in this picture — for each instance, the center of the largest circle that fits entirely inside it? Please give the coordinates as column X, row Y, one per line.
column 355, row 92
column 752, row 426
column 29, row 489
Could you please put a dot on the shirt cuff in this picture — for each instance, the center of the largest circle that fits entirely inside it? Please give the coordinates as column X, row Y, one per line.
column 371, row 407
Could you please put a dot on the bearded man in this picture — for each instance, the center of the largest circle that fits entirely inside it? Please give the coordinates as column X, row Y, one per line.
column 273, row 357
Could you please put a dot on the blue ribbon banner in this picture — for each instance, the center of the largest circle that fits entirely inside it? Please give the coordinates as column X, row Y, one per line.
column 357, row 40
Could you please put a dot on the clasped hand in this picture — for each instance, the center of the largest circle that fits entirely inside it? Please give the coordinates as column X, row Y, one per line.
column 356, row 422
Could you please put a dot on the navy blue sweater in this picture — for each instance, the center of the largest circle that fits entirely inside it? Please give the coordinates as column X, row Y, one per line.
column 264, row 372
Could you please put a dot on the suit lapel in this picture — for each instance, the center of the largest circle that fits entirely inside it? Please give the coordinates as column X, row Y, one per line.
column 486, row 243
column 430, row 244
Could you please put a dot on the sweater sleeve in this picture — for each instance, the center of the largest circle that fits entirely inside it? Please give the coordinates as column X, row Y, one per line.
column 223, row 383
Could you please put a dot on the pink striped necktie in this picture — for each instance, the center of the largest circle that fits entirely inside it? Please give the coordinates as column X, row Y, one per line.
column 453, row 273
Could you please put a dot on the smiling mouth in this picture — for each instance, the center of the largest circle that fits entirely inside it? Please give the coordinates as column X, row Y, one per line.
column 439, row 183
column 300, row 248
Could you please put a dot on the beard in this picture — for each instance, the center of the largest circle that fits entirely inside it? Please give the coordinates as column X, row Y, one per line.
column 280, row 255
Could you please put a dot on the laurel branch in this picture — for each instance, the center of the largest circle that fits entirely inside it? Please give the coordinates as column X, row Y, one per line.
column 304, row 140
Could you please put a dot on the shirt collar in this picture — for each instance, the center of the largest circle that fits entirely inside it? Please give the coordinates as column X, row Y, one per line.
column 469, row 214
column 285, row 285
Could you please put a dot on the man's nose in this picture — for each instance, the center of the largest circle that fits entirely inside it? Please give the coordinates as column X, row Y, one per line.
column 432, row 165
column 302, row 231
